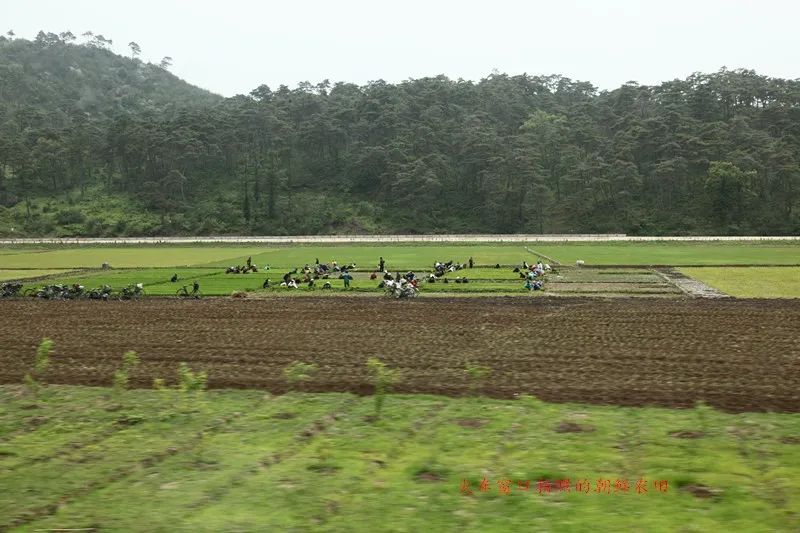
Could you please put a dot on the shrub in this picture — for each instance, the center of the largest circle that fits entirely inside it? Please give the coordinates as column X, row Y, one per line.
column 298, row 372
column 70, row 216
column 189, row 381
column 477, row 375
column 383, row 379
column 40, row 366
column 129, row 361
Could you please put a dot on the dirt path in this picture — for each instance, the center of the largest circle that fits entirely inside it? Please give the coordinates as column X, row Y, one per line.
column 736, row 354
column 690, row 286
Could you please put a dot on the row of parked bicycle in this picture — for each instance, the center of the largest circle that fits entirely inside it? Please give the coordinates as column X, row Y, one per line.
column 75, row 291
column 134, row 291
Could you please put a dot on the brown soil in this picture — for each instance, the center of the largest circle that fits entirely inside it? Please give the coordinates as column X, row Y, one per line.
column 686, row 434
column 471, row 422
column 572, row 427
column 429, row 476
column 700, row 491
column 739, row 355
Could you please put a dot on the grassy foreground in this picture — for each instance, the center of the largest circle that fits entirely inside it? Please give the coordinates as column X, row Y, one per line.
column 244, row 460
column 751, row 282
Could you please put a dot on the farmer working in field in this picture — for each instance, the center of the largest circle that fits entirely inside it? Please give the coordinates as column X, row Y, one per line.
column 381, row 264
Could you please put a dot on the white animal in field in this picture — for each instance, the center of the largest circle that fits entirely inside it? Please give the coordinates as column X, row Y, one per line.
column 579, row 262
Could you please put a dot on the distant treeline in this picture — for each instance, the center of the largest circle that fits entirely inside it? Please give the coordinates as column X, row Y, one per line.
column 89, row 138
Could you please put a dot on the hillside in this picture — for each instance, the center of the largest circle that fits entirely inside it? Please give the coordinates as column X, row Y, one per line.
column 53, row 77
column 93, row 143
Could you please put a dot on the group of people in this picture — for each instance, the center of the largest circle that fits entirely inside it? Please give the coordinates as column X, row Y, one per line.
column 532, row 274
column 399, row 280
column 309, row 275
column 239, row 269
column 443, row 268
column 400, row 286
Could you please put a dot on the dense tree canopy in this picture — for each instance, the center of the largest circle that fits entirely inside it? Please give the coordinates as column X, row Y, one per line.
column 88, row 138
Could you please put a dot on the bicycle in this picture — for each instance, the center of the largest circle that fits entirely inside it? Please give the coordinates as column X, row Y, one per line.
column 409, row 291
column 10, row 289
column 183, row 292
column 132, row 292
column 100, row 293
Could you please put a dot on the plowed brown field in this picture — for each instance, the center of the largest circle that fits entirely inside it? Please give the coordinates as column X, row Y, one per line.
column 738, row 355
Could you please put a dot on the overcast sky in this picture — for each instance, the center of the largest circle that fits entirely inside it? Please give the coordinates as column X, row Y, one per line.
column 233, row 46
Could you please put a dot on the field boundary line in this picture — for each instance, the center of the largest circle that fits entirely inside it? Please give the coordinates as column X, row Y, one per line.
column 534, row 252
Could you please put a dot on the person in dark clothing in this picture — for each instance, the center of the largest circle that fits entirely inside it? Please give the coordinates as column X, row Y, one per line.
column 174, row 278
column 317, row 260
column 470, row 262
column 287, row 277
column 381, row 264
column 249, row 262
column 195, row 287
column 397, row 278
column 265, row 285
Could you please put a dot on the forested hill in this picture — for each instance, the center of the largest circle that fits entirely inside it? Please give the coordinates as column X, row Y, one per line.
column 92, row 143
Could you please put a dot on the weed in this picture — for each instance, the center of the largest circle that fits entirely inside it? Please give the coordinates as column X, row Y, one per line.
column 189, row 381
column 477, row 375
column 383, row 379
column 704, row 412
column 32, row 379
column 129, row 361
column 298, row 372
